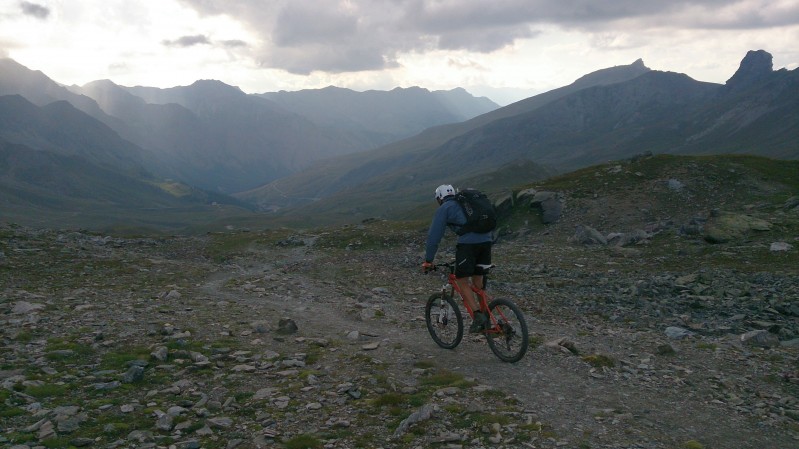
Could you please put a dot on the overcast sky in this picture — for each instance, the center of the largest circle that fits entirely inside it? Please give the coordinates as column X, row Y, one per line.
column 503, row 49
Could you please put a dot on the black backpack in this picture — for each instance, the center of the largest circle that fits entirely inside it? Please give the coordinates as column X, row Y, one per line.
column 480, row 213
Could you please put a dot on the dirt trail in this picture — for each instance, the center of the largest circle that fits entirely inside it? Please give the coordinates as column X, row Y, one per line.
column 583, row 408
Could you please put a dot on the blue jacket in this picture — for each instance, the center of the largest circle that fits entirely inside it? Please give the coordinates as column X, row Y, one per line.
column 450, row 214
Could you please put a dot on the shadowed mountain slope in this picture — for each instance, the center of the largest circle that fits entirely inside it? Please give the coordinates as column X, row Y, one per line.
column 412, row 154
column 656, row 112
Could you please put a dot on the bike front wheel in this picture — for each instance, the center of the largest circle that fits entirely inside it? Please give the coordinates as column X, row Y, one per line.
column 508, row 337
column 444, row 320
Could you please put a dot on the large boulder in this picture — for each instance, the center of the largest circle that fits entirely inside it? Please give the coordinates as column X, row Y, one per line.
column 550, row 203
column 723, row 227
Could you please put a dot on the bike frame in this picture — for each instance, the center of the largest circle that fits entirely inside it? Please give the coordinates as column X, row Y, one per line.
column 483, row 297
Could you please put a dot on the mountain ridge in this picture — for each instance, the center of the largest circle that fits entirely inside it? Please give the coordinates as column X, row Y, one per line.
column 213, row 135
column 660, row 112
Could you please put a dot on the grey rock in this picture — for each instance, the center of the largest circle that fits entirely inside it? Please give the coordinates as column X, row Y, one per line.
column 165, row 422
column 677, row 333
column 46, row 431
column 675, row 185
column 220, row 422
column 25, row 307
column 423, row 414
column 587, row 235
column 286, row 326
column 161, row 354
column 780, row 247
column 760, row 338
column 133, row 374
column 723, row 227
column 140, row 436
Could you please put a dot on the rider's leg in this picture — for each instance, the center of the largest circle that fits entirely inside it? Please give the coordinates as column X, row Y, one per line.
column 465, row 259
column 477, row 281
column 466, row 291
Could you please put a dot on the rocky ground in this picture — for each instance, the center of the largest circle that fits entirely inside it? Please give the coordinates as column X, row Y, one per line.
column 317, row 339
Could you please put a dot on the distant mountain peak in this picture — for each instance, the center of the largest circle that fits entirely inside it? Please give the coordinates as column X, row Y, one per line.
column 756, row 65
column 613, row 74
column 215, row 86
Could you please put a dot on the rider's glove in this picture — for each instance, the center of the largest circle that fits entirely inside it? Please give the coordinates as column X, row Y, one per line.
column 427, row 266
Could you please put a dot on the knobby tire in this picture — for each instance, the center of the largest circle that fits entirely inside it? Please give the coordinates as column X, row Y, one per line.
column 444, row 320
column 511, row 341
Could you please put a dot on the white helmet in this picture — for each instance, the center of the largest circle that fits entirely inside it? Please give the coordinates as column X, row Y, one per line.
column 444, row 190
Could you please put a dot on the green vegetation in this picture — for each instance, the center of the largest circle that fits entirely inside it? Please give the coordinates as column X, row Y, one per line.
column 119, row 358
column 445, row 378
column 599, row 360
column 304, row 441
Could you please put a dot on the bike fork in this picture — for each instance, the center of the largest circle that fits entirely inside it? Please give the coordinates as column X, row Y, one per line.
column 443, row 312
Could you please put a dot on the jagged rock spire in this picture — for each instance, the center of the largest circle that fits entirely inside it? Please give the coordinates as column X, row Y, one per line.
column 755, row 65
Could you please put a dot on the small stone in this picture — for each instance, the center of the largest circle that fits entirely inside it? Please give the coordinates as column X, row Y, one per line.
column 371, row 346
column 286, row 326
column 161, row 354
column 677, row 333
column 134, row 374
column 220, row 422
column 780, row 247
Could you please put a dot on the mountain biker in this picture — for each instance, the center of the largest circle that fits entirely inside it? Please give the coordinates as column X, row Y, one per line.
column 472, row 249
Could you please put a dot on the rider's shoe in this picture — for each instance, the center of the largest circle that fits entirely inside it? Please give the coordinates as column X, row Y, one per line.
column 479, row 323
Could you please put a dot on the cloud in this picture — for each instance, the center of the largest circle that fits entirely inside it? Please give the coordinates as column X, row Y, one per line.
column 355, row 35
column 35, row 10
column 188, row 41
column 234, row 43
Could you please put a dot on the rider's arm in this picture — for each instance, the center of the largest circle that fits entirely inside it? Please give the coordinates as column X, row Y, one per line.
column 436, row 233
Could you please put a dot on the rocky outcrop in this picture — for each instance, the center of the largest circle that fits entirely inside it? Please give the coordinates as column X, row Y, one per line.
column 756, row 65
column 723, row 227
column 551, row 204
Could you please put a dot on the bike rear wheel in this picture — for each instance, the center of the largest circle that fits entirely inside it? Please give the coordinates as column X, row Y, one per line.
column 444, row 320
column 508, row 338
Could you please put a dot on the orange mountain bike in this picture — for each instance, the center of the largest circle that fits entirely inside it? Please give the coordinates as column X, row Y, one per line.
column 506, row 331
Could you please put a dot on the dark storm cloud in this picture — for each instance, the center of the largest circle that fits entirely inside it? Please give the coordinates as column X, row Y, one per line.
column 353, row 35
column 32, row 9
column 188, row 41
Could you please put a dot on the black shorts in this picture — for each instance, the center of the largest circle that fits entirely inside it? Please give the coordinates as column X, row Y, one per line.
column 468, row 256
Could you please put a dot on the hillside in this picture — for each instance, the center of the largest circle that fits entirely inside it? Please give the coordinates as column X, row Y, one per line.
column 47, row 190
column 62, row 129
column 211, row 137
column 215, row 137
column 267, row 338
column 409, row 155
column 658, row 112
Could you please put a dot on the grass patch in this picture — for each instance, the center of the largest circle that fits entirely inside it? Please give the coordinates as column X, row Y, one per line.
column 390, row 399
column 599, row 360
column 424, row 364
column 46, row 391
column 120, row 358
column 444, row 378
column 10, row 412
column 707, row 346
column 304, row 441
